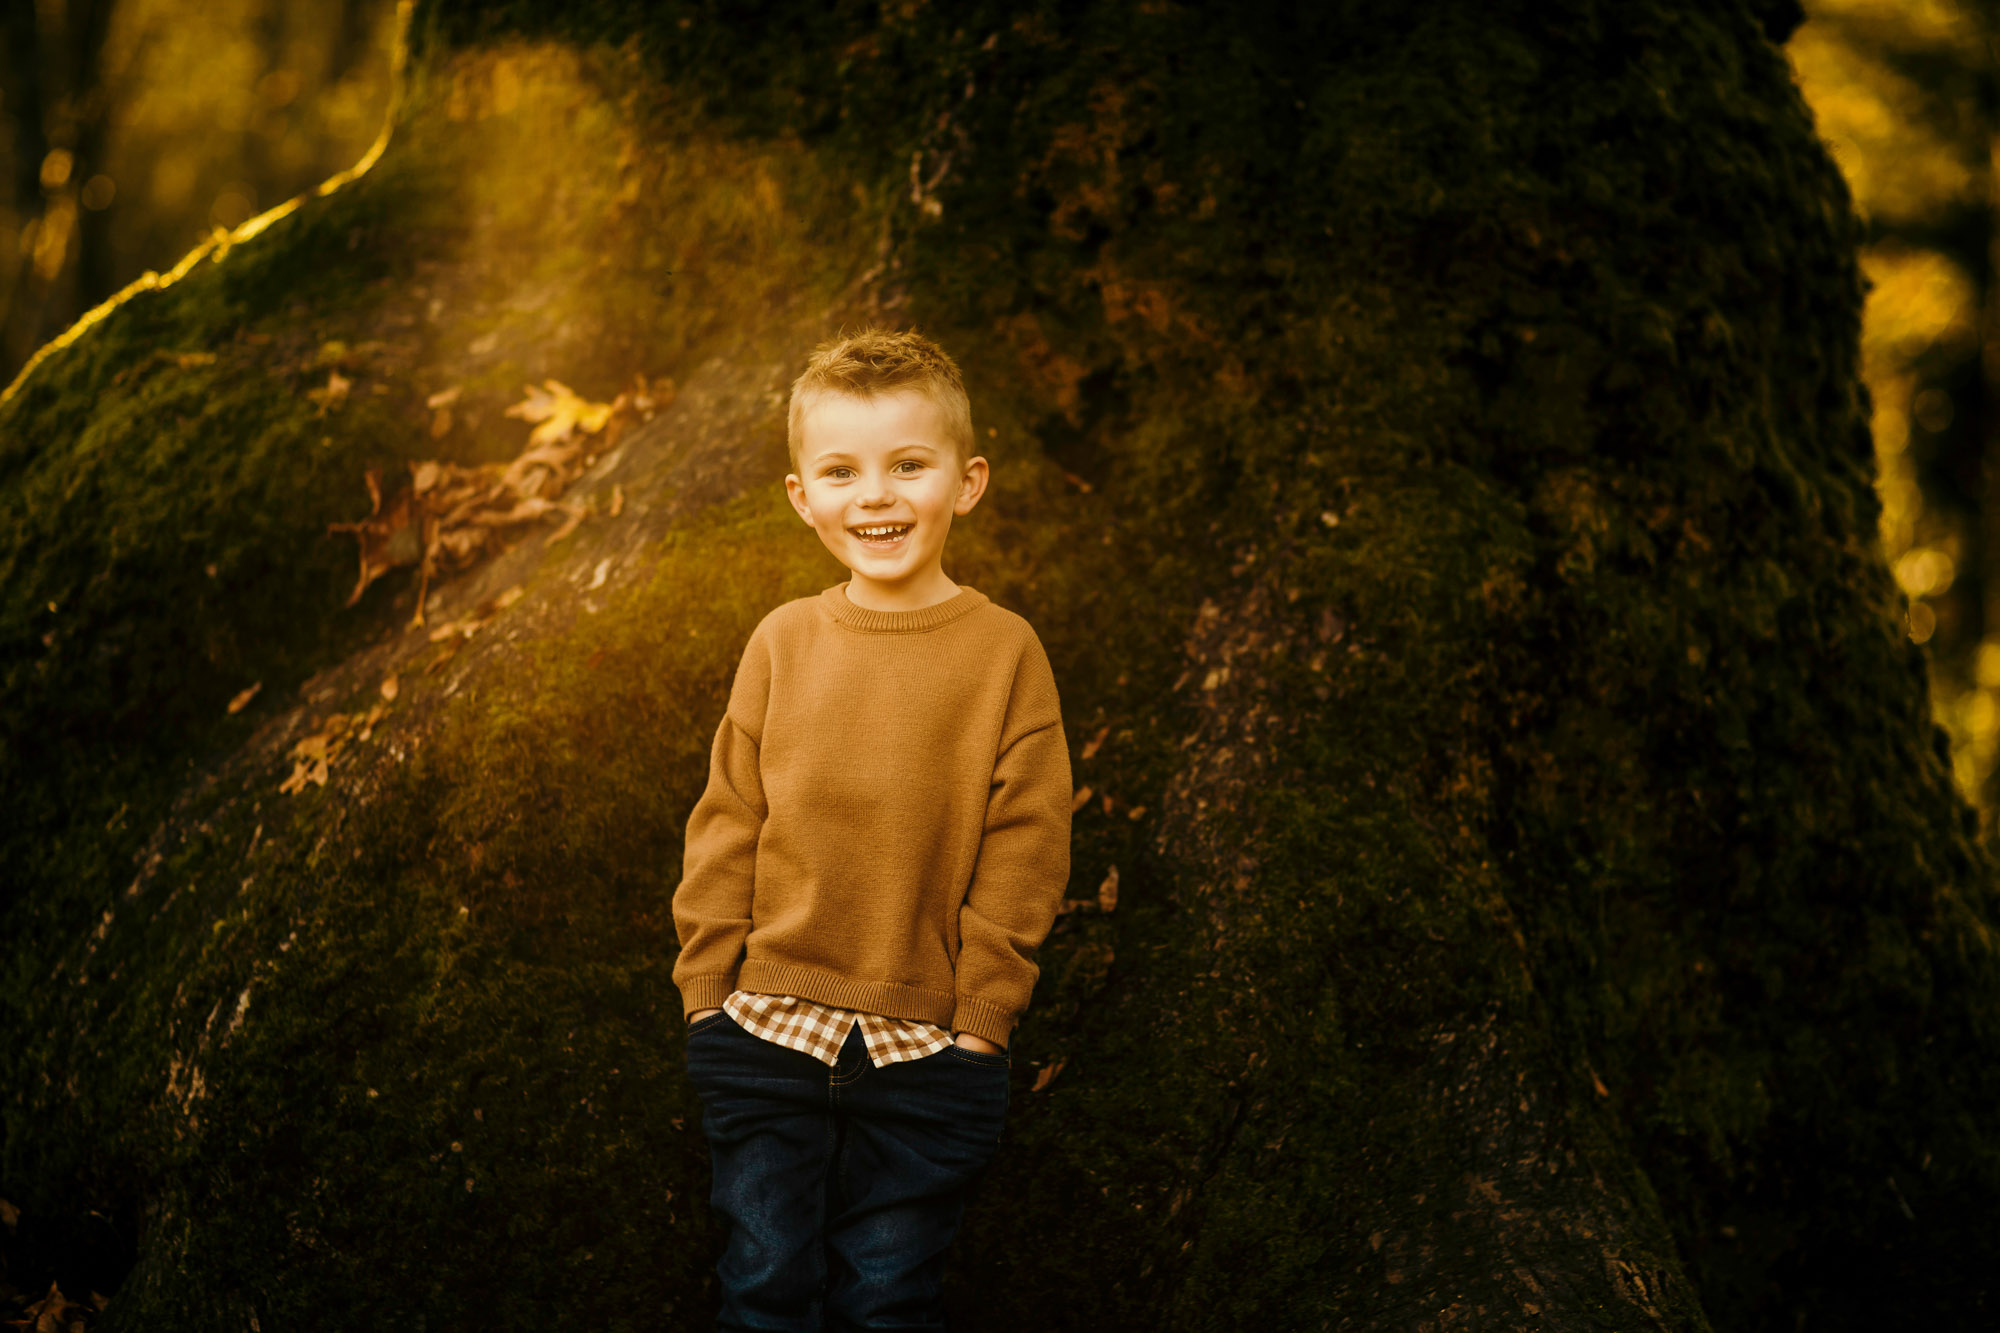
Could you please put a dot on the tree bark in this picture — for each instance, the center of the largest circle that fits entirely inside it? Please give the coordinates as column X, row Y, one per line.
column 25, row 117
column 1517, row 885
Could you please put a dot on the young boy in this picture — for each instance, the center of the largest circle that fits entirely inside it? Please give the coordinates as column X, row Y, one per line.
column 879, row 853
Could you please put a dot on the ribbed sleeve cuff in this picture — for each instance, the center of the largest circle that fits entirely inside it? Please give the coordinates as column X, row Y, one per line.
column 983, row 1020
column 705, row 992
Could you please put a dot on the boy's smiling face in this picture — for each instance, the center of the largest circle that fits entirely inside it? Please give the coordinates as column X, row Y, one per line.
column 880, row 481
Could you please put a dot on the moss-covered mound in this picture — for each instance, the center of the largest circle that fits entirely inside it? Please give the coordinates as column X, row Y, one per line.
column 1428, row 440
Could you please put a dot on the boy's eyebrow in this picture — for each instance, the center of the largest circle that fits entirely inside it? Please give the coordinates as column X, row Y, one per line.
column 841, row 456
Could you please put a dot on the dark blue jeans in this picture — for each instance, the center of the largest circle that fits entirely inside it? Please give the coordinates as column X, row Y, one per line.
column 839, row 1189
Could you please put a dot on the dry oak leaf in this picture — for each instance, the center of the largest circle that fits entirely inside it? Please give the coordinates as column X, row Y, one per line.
column 1047, row 1074
column 242, row 700
column 47, row 1313
column 385, row 536
column 560, row 411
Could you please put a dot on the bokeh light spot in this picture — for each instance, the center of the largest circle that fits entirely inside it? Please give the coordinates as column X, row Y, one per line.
column 1923, row 622
column 56, row 168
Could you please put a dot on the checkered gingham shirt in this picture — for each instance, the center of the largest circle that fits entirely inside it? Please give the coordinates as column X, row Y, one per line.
column 820, row 1031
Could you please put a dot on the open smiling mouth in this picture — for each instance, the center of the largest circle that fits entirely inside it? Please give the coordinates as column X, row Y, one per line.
column 882, row 536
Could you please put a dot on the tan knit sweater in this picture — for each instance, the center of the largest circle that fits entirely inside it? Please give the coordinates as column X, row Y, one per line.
column 886, row 824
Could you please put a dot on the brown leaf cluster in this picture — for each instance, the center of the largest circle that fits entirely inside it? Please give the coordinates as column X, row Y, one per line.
column 312, row 756
column 452, row 515
column 56, row 1313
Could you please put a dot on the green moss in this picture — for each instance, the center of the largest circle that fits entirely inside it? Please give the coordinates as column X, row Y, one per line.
column 1480, row 394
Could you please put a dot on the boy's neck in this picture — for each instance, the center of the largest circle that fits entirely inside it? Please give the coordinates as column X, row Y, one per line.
column 870, row 595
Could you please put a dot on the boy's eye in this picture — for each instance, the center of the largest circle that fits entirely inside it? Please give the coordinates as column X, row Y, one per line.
column 910, row 463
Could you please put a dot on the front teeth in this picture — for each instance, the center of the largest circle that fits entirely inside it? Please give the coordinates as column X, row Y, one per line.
column 889, row 530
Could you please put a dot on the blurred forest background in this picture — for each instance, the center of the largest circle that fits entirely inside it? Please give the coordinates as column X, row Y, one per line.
column 130, row 129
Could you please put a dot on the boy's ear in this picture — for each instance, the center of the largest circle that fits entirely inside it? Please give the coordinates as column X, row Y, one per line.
column 971, row 486
column 795, row 491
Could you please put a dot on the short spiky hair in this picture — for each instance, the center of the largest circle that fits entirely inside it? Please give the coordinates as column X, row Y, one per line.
column 883, row 361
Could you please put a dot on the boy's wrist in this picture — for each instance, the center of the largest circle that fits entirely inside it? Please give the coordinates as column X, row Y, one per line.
column 972, row 1041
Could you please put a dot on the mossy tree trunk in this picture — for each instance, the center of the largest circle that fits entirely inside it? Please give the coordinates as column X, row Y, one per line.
column 1428, row 440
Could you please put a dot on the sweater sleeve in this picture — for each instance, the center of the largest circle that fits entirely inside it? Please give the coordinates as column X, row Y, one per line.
column 1023, row 865
column 711, row 906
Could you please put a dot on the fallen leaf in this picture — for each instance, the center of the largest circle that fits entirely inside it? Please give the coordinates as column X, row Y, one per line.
column 1047, row 1074
column 242, row 700
column 1081, row 799
column 389, row 686
column 560, row 411
column 474, row 620
column 1135, row 812
column 1091, row 747
column 444, row 397
column 333, row 394
column 9, row 1214
column 312, row 756
column 385, row 536
column 617, row 499
column 46, row 1315
column 1107, row 892
column 441, row 423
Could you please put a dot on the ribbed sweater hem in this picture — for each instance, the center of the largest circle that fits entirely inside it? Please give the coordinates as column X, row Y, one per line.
column 706, row 992
column 870, row 997
column 983, row 1020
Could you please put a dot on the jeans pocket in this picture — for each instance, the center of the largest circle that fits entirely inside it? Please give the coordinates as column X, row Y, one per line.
column 990, row 1059
column 713, row 1020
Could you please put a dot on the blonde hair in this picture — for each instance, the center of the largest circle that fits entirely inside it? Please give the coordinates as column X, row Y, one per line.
column 877, row 361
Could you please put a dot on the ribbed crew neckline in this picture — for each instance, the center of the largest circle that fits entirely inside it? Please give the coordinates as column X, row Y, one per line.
column 899, row 622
